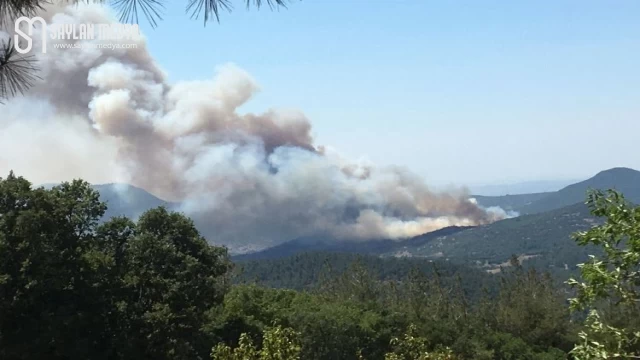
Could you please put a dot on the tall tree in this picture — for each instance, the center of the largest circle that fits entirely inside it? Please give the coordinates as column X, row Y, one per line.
column 50, row 288
column 172, row 279
column 71, row 288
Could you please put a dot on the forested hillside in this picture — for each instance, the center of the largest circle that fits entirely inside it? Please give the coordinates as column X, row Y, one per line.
column 307, row 271
column 624, row 180
column 544, row 238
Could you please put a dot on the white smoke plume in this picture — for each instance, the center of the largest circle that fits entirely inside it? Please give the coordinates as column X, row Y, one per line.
column 110, row 115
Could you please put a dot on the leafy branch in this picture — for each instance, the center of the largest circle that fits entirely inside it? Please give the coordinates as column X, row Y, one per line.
column 612, row 279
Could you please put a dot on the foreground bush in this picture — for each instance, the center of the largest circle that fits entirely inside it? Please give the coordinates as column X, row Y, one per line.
column 72, row 288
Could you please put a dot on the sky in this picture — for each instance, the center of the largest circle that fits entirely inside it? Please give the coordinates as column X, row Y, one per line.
column 461, row 92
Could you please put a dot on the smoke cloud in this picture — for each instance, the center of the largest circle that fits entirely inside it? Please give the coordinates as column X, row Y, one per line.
column 110, row 115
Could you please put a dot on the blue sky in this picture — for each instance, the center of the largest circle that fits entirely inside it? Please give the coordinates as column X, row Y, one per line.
column 462, row 92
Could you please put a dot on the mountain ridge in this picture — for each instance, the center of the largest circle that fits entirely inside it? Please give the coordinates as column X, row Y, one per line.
column 533, row 233
column 519, row 188
column 546, row 235
column 624, row 179
column 132, row 201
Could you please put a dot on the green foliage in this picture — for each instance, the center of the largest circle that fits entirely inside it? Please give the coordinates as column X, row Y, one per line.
column 50, row 269
column 601, row 341
column 413, row 347
column 329, row 328
column 532, row 308
column 174, row 278
column 309, row 270
column 354, row 315
column 74, row 288
column 245, row 350
column 71, row 288
column 610, row 283
column 278, row 344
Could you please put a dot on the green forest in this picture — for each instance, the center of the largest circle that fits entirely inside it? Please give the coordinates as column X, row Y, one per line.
column 73, row 286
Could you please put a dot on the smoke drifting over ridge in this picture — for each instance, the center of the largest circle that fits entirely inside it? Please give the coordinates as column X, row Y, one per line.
column 110, row 115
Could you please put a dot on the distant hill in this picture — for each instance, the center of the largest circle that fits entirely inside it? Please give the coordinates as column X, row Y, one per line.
column 527, row 187
column 510, row 202
column 124, row 199
column 543, row 238
column 547, row 236
column 624, row 180
column 329, row 244
column 128, row 200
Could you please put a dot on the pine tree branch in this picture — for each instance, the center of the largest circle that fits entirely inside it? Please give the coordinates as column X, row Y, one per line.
column 13, row 9
column 17, row 72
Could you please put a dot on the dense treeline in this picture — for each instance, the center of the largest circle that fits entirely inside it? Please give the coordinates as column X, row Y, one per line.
column 72, row 287
column 308, row 270
column 354, row 313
